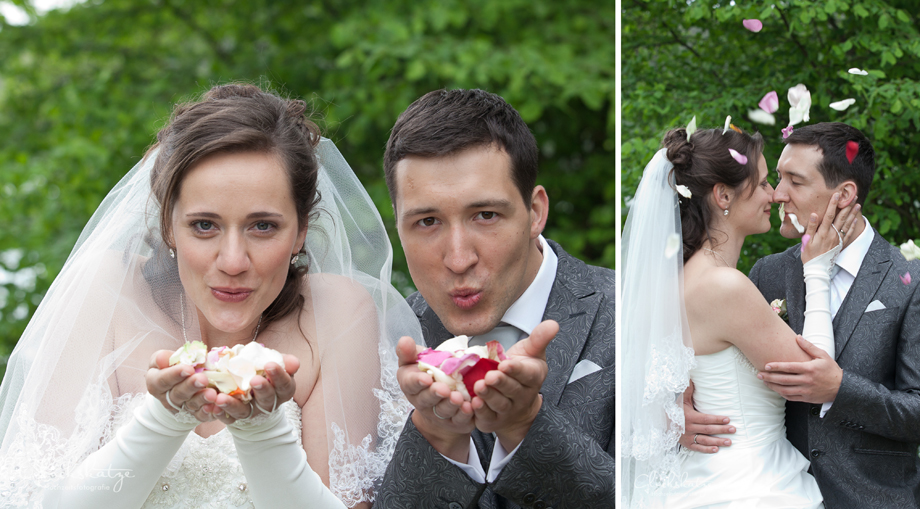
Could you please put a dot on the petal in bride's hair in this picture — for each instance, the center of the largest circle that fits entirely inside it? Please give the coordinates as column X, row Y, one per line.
column 691, row 127
column 770, row 102
column 737, row 156
column 671, row 245
column 684, row 191
column 728, row 124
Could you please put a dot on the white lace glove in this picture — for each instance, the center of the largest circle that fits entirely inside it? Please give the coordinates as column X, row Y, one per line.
column 818, row 328
column 122, row 473
column 276, row 467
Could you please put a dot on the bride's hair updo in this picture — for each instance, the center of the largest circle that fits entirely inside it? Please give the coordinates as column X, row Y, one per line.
column 241, row 118
column 700, row 164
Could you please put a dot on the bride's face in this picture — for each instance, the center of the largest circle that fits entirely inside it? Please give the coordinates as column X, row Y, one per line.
column 235, row 228
column 754, row 211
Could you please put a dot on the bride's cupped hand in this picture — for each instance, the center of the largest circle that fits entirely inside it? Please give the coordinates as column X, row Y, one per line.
column 836, row 227
column 189, row 390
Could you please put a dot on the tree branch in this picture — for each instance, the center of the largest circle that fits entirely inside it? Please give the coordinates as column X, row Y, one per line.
column 792, row 36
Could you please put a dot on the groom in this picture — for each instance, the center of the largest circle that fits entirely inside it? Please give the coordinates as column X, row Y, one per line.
column 864, row 451
column 461, row 168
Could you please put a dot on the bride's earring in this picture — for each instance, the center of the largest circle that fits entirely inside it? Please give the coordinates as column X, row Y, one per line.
column 725, row 212
column 172, row 253
column 295, row 258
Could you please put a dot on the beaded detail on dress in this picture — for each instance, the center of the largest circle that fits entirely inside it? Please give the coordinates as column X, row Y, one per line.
column 208, row 473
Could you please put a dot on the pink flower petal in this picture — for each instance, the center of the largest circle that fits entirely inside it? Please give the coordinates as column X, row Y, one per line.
column 770, row 102
column 434, row 357
column 454, row 363
column 754, row 25
column 496, row 351
column 787, row 131
column 741, row 158
column 906, row 278
column 805, row 239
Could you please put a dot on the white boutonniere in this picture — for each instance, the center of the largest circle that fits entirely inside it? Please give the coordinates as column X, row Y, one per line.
column 779, row 307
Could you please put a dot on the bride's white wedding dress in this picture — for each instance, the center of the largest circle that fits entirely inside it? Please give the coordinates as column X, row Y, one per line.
column 761, row 468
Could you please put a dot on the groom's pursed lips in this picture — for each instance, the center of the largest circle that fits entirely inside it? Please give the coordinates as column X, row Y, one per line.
column 465, row 298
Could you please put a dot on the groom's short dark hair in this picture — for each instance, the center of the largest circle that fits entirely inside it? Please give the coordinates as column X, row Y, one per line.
column 445, row 122
column 832, row 138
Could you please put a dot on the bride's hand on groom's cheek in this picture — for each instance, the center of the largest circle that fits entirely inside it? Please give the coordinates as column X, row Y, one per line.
column 279, row 383
column 508, row 399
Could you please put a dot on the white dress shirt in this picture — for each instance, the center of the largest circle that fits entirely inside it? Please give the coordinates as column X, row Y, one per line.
column 525, row 314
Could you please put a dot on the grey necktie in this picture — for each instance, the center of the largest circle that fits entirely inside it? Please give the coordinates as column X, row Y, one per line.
column 506, row 335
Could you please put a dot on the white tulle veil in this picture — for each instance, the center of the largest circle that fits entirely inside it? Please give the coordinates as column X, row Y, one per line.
column 656, row 354
column 78, row 370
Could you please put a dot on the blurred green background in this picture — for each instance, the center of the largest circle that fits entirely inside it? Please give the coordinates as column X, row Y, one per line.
column 683, row 58
column 84, row 89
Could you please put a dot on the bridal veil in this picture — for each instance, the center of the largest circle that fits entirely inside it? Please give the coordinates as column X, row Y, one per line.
column 656, row 353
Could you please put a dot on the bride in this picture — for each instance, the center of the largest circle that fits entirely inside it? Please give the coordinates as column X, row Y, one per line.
column 240, row 224
column 690, row 312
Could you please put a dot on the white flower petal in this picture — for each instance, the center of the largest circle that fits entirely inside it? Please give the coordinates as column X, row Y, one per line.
column 857, row 70
column 795, row 223
column 684, row 191
column 782, row 211
column 842, row 105
column 728, row 123
column 454, row 344
column 672, row 245
column 761, row 117
column 691, row 127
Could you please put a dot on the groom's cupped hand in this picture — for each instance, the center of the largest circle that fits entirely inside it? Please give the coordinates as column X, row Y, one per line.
column 815, row 381
column 448, row 431
column 508, row 398
column 699, row 428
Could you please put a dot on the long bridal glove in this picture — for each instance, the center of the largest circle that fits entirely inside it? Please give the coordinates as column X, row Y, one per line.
column 122, row 473
column 276, row 466
column 819, row 327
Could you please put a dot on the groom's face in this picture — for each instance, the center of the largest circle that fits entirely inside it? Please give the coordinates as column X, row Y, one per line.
column 469, row 238
column 801, row 188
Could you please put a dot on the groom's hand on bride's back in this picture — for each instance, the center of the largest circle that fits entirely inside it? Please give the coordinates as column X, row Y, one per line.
column 448, row 431
column 699, row 428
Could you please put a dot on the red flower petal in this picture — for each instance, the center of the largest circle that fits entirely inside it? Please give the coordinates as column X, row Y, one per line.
column 477, row 372
column 852, row 150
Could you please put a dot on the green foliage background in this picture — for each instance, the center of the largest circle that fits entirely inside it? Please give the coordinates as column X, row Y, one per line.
column 683, row 58
column 84, row 90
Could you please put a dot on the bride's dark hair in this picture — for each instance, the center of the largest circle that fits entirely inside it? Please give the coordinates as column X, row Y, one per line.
column 701, row 163
column 239, row 118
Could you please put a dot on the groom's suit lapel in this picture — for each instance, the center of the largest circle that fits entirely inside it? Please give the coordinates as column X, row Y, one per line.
column 573, row 302
column 872, row 272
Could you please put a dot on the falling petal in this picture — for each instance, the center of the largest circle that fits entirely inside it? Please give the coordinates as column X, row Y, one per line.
column 852, row 150
column 691, row 127
column 741, row 158
column 761, row 117
column 754, row 25
column 782, row 211
column 910, row 250
column 684, row 191
column 906, row 278
column 787, row 131
column 857, row 70
column 805, row 238
column 842, row 105
column 795, row 223
column 770, row 102
column 672, row 245
column 728, row 124
column 735, row 128
column 800, row 102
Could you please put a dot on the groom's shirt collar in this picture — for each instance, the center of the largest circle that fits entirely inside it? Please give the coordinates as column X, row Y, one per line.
column 527, row 311
column 851, row 258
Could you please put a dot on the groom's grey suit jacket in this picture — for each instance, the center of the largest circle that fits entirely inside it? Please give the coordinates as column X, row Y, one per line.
column 864, row 451
column 567, row 458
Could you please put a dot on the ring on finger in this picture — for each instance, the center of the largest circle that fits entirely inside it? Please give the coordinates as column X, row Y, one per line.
column 839, row 236
column 434, row 410
column 178, row 409
column 694, row 439
column 264, row 411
